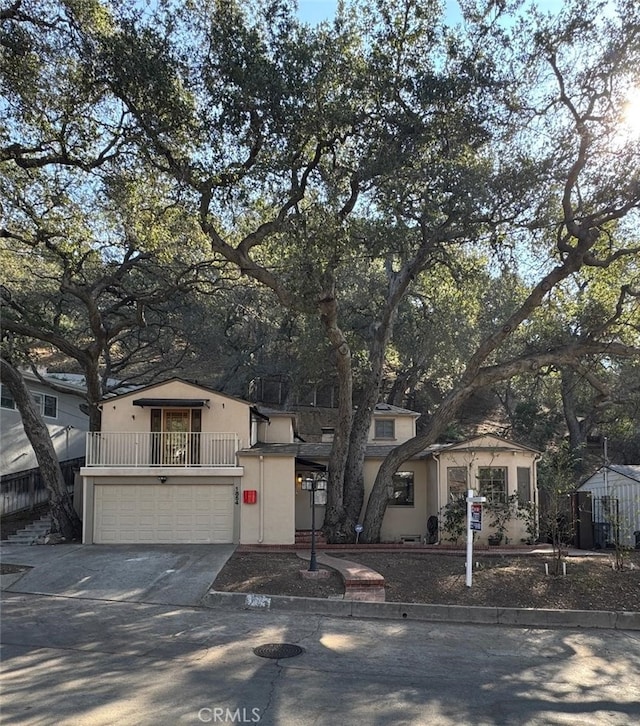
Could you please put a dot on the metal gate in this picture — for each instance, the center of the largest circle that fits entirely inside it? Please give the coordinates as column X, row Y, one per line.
column 606, row 522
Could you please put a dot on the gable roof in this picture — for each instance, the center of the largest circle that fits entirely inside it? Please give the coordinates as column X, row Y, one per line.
column 54, row 382
column 388, row 409
column 468, row 443
column 174, row 379
column 630, row 471
column 322, row 450
column 309, row 451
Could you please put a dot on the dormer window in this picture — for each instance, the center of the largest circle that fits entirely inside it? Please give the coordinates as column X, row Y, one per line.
column 385, row 428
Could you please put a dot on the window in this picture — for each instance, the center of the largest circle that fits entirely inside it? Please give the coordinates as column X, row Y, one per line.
column 524, row 485
column 6, row 399
column 385, row 428
column 48, row 405
column 456, row 482
column 493, row 483
column 402, row 489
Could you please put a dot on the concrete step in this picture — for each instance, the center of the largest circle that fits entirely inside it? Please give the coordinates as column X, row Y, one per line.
column 31, row 532
column 303, row 538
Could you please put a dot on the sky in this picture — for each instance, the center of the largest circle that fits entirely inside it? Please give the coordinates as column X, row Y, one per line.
column 314, row 11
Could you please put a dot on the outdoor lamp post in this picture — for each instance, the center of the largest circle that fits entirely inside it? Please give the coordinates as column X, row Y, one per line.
column 314, row 484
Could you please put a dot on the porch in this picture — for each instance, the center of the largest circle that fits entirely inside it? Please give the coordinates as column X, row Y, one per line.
column 162, row 449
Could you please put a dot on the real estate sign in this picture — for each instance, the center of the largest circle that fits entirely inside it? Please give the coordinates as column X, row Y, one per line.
column 476, row 517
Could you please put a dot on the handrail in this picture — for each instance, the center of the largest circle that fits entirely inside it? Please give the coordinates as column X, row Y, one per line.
column 162, row 449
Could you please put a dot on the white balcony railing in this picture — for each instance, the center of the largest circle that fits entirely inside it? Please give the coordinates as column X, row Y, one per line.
column 161, row 449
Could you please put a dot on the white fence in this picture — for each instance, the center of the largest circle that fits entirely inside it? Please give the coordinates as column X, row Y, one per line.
column 176, row 449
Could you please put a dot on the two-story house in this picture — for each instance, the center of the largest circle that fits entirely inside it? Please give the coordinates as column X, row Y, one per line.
column 178, row 462
column 61, row 401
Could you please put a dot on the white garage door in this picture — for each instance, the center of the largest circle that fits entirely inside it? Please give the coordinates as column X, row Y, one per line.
column 163, row 514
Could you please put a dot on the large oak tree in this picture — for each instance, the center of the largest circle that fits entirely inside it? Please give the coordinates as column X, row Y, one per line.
column 383, row 136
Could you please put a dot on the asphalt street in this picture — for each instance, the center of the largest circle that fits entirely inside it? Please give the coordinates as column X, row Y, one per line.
column 120, row 635
column 83, row 662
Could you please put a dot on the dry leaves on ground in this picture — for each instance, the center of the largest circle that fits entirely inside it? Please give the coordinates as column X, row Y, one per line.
column 501, row 580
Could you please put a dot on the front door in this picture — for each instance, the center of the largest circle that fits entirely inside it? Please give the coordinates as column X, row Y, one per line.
column 176, row 435
column 175, row 439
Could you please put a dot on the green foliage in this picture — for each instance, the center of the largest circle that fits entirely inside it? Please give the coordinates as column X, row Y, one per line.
column 460, row 200
column 500, row 514
column 556, row 481
column 453, row 519
column 528, row 511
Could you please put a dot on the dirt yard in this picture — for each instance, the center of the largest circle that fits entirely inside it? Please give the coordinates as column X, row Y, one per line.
column 500, row 580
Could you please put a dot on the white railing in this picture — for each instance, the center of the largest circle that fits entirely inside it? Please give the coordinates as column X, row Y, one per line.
column 161, row 449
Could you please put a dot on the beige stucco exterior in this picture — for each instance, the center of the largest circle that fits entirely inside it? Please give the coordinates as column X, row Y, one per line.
column 271, row 520
column 402, row 522
column 490, row 451
column 220, row 414
column 404, row 424
column 196, row 488
column 266, row 462
column 278, row 429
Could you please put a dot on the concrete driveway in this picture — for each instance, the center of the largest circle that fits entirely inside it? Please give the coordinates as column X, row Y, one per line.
column 162, row 574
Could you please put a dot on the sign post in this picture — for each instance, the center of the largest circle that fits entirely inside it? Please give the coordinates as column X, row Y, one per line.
column 474, row 524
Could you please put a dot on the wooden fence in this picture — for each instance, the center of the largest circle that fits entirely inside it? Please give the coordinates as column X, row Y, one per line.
column 26, row 489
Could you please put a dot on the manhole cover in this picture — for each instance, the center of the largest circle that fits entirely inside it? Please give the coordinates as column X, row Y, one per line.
column 278, row 650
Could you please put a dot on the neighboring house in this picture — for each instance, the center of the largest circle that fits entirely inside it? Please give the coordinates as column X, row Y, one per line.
column 61, row 411
column 67, row 425
column 179, row 462
column 613, row 505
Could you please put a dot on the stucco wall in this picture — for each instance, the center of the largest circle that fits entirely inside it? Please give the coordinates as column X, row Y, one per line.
column 404, row 427
column 433, row 494
column 221, row 415
column 271, row 520
column 401, row 521
column 279, row 429
column 490, row 452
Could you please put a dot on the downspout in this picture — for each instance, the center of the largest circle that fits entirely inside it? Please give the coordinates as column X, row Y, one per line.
column 261, row 501
column 536, row 504
column 438, row 498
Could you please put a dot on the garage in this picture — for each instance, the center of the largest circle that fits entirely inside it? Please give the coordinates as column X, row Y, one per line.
column 163, row 514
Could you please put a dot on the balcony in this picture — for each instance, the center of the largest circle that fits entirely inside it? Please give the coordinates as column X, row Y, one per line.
column 171, row 449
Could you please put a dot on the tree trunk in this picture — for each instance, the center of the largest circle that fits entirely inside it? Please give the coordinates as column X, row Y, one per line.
column 577, row 431
column 379, row 497
column 94, row 392
column 64, row 520
column 354, row 470
column 336, row 527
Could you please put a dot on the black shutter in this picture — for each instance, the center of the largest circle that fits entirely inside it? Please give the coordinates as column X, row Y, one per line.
column 156, row 435
column 196, row 428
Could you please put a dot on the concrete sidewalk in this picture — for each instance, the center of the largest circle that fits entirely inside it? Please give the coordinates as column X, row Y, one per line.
column 163, row 574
